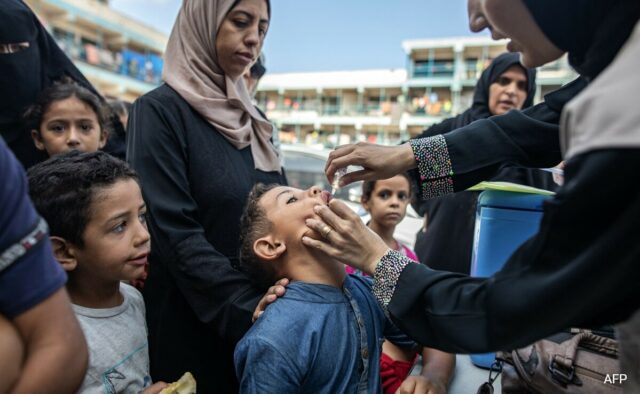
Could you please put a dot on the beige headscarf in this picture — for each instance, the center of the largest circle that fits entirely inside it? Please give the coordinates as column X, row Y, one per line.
column 606, row 114
column 191, row 68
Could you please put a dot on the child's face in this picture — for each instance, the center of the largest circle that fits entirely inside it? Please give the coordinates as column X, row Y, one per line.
column 116, row 240
column 389, row 200
column 67, row 125
column 287, row 208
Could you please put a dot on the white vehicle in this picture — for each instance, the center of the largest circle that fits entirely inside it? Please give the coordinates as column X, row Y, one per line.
column 304, row 167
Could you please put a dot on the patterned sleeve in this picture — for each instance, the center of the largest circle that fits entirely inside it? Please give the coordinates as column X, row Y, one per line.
column 386, row 276
column 434, row 166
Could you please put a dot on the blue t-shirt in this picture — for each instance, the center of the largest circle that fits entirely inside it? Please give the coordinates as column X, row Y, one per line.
column 317, row 339
column 36, row 275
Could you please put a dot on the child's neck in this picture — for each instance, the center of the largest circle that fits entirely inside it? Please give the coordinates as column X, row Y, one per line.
column 314, row 267
column 89, row 294
column 385, row 232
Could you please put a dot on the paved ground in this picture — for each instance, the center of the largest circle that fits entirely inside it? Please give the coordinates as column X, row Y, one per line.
column 467, row 377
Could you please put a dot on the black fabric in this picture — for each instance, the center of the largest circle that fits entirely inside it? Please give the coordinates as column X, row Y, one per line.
column 592, row 31
column 24, row 74
column 195, row 185
column 447, row 242
column 528, row 138
column 116, row 145
column 580, row 270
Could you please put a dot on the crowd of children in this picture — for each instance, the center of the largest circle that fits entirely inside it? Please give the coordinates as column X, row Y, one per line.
column 327, row 334
column 197, row 147
column 96, row 215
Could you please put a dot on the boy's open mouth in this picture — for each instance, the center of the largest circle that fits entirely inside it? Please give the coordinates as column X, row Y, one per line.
column 325, row 196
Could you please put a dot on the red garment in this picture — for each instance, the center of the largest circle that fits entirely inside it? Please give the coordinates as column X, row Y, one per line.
column 393, row 373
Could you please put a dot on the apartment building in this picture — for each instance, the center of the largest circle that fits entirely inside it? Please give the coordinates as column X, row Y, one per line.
column 119, row 55
column 387, row 106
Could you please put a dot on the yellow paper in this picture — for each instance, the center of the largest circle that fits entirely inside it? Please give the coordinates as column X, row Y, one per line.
column 510, row 187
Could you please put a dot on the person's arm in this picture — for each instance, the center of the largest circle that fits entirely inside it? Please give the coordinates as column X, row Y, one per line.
column 459, row 159
column 56, row 353
column 555, row 280
column 11, row 355
column 435, row 376
column 580, row 269
column 32, row 294
column 262, row 368
column 217, row 293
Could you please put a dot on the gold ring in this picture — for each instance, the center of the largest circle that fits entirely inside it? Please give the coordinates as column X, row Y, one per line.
column 326, row 231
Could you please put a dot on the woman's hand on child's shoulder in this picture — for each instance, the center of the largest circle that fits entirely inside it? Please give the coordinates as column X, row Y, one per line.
column 270, row 296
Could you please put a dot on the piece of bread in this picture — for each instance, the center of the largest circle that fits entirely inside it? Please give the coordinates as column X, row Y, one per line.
column 185, row 385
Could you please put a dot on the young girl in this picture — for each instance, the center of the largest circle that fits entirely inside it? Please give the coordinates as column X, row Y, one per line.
column 67, row 116
column 386, row 201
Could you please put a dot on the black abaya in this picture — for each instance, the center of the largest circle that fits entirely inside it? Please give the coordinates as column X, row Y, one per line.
column 195, row 184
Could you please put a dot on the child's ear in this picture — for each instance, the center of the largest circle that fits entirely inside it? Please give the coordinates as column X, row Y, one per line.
column 37, row 140
column 104, row 136
column 365, row 203
column 64, row 253
column 269, row 249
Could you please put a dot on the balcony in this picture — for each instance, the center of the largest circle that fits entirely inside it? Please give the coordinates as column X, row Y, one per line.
column 144, row 68
column 433, row 69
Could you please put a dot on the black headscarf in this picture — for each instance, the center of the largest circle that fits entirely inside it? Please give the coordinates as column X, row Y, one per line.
column 592, row 31
column 24, row 74
column 480, row 107
column 447, row 243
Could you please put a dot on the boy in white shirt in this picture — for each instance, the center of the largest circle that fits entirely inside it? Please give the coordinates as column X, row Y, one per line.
column 96, row 214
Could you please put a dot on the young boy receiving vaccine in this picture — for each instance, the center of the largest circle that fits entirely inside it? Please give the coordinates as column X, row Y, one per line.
column 67, row 116
column 96, row 214
column 324, row 335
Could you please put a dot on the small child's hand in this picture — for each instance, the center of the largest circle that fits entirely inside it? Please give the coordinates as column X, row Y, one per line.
column 270, row 296
column 420, row 385
column 154, row 388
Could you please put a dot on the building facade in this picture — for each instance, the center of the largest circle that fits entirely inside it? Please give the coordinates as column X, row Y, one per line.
column 388, row 106
column 119, row 55
column 123, row 58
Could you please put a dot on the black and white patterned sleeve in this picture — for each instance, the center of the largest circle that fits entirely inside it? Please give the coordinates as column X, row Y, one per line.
column 386, row 276
column 434, row 166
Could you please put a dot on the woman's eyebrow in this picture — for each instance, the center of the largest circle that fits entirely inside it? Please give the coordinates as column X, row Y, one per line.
column 251, row 16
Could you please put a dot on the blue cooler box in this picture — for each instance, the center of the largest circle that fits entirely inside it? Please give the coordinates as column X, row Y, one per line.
column 504, row 221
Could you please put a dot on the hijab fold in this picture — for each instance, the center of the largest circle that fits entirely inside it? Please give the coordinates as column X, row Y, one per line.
column 192, row 69
column 592, row 31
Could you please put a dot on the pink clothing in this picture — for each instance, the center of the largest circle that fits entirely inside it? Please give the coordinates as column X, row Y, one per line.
column 402, row 248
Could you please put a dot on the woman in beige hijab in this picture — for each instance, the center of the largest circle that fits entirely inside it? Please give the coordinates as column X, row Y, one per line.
column 199, row 146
